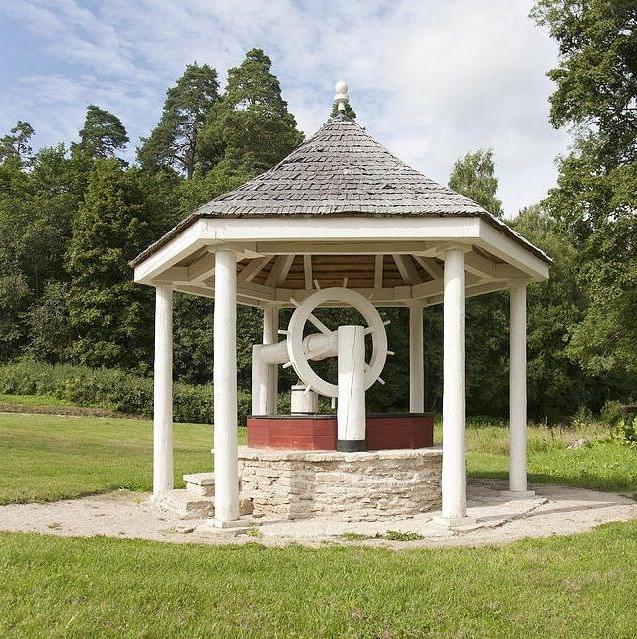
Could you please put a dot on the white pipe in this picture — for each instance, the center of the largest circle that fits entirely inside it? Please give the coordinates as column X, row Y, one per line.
column 517, row 388
column 225, row 389
column 453, row 403
column 416, row 360
column 260, row 376
column 163, row 392
column 271, row 336
column 351, row 388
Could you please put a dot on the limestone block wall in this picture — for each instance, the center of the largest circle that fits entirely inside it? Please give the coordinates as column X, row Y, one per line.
column 364, row 486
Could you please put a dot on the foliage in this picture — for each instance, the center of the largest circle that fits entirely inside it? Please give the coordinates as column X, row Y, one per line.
column 251, row 123
column 595, row 198
column 102, row 134
column 112, row 389
column 17, row 144
column 473, row 176
column 174, row 142
column 348, row 111
column 626, row 431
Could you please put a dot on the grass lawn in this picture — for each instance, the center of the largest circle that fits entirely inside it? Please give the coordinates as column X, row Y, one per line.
column 33, row 400
column 49, row 457
column 579, row 586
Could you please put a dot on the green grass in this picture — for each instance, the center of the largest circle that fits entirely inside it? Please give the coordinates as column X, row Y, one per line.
column 48, row 457
column 567, row 587
column 602, row 464
column 33, row 400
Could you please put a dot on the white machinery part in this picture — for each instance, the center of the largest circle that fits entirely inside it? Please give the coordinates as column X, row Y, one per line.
column 355, row 376
column 302, row 401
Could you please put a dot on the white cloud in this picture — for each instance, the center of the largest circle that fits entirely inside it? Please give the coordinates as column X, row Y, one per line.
column 431, row 79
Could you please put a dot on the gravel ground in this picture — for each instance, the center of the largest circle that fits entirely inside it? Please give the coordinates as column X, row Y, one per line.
column 554, row 510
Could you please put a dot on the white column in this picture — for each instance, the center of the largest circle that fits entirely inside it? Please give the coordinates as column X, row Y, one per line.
column 416, row 360
column 454, row 506
column 163, row 392
column 517, row 389
column 351, row 388
column 271, row 336
column 225, row 389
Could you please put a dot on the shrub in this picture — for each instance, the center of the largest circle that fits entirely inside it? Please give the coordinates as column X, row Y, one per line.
column 626, row 430
column 111, row 389
column 611, row 413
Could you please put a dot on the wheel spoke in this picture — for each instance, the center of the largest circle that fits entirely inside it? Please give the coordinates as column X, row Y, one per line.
column 317, row 322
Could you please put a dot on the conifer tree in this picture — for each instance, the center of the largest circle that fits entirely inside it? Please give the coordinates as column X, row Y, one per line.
column 17, row 143
column 102, row 134
column 252, row 122
column 174, row 142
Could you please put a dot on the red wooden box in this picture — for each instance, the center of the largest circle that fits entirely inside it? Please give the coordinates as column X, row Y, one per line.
column 318, row 432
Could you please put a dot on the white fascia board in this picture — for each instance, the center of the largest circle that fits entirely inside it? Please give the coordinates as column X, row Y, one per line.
column 175, row 250
column 511, row 252
column 341, row 229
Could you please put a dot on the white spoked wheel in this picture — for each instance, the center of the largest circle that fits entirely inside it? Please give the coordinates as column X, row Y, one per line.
column 297, row 347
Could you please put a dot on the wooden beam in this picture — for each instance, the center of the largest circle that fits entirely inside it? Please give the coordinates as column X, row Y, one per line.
column 371, row 247
column 279, row 271
column 307, row 271
column 406, row 269
column 378, row 271
column 253, row 268
column 430, row 265
column 479, row 265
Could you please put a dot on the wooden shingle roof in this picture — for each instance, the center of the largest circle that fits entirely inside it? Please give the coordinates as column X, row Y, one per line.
column 341, row 170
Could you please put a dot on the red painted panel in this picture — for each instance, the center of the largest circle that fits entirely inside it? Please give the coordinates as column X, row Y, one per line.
column 383, row 432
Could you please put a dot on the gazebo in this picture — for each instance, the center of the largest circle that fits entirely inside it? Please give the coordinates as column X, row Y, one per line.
column 340, row 210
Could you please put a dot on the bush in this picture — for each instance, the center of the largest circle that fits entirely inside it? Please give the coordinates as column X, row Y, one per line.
column 611, row 413
column 111, row 389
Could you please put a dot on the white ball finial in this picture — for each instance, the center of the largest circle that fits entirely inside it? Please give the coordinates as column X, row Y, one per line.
column 341, row 96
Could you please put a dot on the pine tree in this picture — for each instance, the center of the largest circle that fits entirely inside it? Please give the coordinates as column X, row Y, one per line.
column 252, row 122
column 17, row 143
column 102, row 134
column 473, row 176
column 175, row 140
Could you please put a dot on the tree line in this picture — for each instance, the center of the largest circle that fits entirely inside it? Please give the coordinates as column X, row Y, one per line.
column 73, row 215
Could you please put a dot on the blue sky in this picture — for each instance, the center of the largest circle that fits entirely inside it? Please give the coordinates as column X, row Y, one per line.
column 431, row 79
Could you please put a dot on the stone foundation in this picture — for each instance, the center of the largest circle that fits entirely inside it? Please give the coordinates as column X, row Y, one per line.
column 364, row 486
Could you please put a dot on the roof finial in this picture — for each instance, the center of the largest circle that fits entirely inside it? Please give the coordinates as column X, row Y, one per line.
column 341, row 98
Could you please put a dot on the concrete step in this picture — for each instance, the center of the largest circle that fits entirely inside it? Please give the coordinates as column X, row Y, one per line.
column 200, row 484
column 181, row 503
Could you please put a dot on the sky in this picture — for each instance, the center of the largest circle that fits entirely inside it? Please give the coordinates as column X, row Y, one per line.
column 430, row 79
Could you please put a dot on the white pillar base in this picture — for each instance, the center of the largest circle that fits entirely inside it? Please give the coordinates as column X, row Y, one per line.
column 517, row 494
column 454, row 522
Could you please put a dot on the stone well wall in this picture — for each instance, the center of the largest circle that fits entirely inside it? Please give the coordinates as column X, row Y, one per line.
column 351, row 486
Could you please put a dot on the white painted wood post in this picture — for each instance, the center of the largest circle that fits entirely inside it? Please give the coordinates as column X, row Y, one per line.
column 163, row 392
column 416, row 360
column 351, row 389
column 271, row 336
column 517, row 389
column 225, row 389
column 454, row 500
